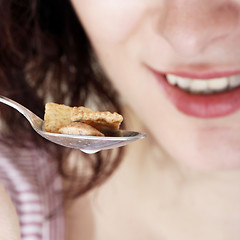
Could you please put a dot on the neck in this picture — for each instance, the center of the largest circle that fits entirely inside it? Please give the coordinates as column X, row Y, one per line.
column 178, row 200
column 183, row 201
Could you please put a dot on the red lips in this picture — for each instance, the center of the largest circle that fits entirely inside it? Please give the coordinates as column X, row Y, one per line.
column 198, row 105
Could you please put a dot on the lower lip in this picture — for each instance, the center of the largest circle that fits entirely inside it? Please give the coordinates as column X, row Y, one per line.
column 201, row 106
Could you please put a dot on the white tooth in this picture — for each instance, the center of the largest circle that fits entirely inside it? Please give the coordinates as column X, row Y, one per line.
column 234, row 81
column 183, row 82
column 217, row 84
column 204, row 86
column 198, row 85
column 172, row 79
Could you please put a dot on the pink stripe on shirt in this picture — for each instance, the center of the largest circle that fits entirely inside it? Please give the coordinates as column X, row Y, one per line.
column 27, row 181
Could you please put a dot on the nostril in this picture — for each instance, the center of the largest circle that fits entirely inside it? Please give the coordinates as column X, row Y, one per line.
column 192, row 29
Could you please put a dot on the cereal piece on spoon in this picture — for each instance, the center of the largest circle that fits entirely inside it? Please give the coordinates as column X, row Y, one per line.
column 79, row 128
column 99, row 120
column 56, row 116
column 63, row 119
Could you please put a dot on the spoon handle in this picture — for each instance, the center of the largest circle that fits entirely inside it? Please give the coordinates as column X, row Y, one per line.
column 33, row 119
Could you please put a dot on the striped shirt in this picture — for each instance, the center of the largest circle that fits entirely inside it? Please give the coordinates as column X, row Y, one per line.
column 32, row 185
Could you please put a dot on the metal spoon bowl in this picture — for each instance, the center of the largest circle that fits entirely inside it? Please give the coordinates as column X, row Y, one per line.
column 87, row 144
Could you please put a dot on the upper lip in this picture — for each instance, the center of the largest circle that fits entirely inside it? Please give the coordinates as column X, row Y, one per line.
column 199, row 74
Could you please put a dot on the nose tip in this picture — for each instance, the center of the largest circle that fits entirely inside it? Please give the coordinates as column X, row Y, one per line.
column 191, row 29
column 191, row 42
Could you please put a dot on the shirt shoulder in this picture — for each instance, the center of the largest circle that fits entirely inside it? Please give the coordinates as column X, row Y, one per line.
column 31, row 182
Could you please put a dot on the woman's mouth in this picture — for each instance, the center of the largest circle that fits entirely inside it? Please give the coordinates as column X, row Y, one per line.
column 213, row 95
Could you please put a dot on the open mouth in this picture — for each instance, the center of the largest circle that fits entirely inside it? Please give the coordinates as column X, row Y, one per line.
column 203, row 98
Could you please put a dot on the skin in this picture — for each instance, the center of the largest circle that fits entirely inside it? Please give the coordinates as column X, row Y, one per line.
column 182, row 182
column 9, row 224
column 164, row 35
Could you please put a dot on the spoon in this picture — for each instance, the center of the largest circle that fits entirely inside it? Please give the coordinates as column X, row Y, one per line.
column 87, row 144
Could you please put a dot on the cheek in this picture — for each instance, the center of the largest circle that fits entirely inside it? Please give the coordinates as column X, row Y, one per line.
column 109, row 20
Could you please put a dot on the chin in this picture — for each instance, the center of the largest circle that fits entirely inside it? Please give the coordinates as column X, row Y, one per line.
column 205, row 151
column 211, row 145
column 218, row 160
